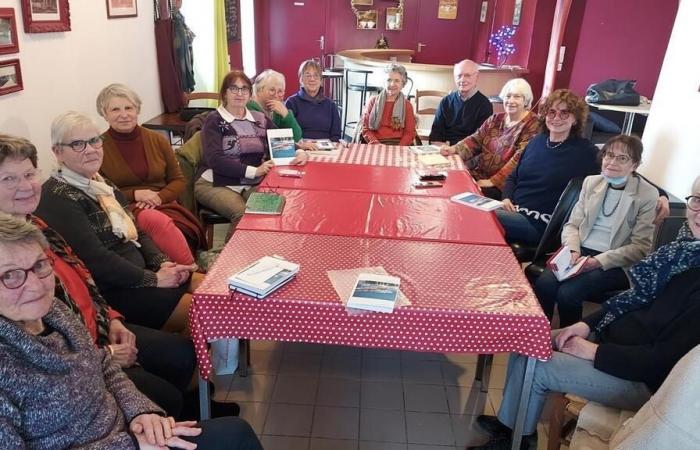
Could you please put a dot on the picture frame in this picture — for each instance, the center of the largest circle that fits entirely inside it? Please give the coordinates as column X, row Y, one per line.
column 10, row 76
column 45, row 16
column 394, row 19
column 367, row 20
column 361, row 2
column 119, row 9
column 447, row 9
column 8, row 31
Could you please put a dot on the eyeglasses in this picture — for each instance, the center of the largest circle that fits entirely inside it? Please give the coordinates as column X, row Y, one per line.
column 312, row 76
column 622, row 159
column 14, row 279
column 563, row 114
column 80, row 145
column 239, row 89
column 693, row 202
column 11, row 182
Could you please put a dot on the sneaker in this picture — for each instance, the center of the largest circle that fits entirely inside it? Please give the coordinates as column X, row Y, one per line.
column 504, row 442
column 492, row 425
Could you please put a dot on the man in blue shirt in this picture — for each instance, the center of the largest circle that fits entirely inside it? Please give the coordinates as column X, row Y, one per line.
column 463, row 111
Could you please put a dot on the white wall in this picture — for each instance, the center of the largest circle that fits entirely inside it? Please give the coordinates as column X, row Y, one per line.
column 65, row 71
column 672, row 134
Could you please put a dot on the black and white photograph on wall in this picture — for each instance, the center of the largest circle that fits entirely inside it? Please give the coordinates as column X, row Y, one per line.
column 117, row 9
column 45, row 16
column 8, row 31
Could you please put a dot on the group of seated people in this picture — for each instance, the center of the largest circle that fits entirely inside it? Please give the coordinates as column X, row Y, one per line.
column 97, row 263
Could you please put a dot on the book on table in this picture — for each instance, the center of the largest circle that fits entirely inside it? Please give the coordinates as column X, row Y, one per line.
column 324, row 145
column 282, row 147
column 433, row 160
column 425, row 149
column 562, row 265
column 263, row 276
column 476, row 201
column 265, row 203
column 374, row 293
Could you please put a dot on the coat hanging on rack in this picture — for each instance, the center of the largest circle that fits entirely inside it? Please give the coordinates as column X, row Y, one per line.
column 170, row 90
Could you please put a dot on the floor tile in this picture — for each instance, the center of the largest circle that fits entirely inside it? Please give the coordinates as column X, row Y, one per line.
column 431, row 447
column 338, row 392
column 461, row 357
column 466, row 400
column 253, row 388
column 308, row 364
column 302, row 347
column 336, row 423
column 333, row 444
column 370, row 445
column 425, row 397
column 341, row 350
column 382, row 426
column 381, row 369
column 382, row 395
column 265, row 362
column 222, row 384
column 495, row 398
column 458, row 373
column 381, row 353
column 284, row 443
column 337, row 365
column 466, row 431
column 266, row 345
column 501, row 359
column 429, row 428
column 289, row 420
column 427, row 372
column 295, row 389
column 422, row 356
column 498, row 377
column 254, row 413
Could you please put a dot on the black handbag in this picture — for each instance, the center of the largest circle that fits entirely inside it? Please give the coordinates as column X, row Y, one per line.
column 613, row 92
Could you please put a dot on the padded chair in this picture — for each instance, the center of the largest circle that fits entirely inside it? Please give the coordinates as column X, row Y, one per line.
column 188, row 156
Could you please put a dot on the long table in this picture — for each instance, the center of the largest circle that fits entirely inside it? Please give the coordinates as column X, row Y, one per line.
column 467, row 291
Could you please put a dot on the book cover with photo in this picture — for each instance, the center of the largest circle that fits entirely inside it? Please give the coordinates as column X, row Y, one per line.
column 374, row 293
column 282, row 147
column 477, row 201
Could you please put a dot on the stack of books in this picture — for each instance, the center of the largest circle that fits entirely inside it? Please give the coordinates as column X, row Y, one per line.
column 265, row 275
column 265, row 203
column 375, row 293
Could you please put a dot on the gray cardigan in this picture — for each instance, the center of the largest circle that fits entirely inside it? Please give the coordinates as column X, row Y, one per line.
column 59, row 391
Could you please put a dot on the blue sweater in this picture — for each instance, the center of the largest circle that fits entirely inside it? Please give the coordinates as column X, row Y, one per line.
column 456, row 119
column 542, row 174
column 318, row 120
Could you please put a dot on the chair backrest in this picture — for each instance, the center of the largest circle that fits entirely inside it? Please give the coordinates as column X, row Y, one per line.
column 202, row 96
column 667, row 230
column 409, row 84
column 433, row 98
column 551, row 238
column 188, row 156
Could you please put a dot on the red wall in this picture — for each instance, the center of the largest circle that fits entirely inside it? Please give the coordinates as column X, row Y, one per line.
column 624, row 39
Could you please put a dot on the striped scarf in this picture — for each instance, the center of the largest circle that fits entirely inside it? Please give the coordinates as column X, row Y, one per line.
column 398, row 115
column 650, row 276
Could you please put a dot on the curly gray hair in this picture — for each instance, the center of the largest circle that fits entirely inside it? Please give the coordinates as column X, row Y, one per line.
column 397, row 68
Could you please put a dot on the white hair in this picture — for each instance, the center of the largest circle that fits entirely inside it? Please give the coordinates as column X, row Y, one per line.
column 67, row 122
column 116, row 90
column 517, row 86
column 266, row 78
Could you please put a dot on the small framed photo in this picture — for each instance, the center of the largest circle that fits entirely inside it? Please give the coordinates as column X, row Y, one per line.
column 394, row 19
column 117, row 9
column 361, row 2
column 367, row 20
column 10, row 76
column 8, row 31
column 45, row 16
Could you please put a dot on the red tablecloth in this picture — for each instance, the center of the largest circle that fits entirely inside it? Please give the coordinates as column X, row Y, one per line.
column 380, row 155
column 465, row 298
column 357, row 178
column 379, row 215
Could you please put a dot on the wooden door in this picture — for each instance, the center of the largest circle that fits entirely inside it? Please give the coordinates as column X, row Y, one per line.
column 296, row 31
column 444, row 41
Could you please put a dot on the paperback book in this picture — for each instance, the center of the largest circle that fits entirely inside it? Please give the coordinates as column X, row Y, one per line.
column 374, row 293
column 323, row 144
column 477, row 201
column 433, row 160
column 263, row 276
column 265, row 203
column 562, row 265
column 425, row 149
column 282, row 148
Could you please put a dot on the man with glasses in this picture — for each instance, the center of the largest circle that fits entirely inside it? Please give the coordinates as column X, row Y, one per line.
column 463, row 111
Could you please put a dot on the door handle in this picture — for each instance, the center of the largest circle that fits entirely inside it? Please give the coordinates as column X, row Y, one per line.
column 420, row 46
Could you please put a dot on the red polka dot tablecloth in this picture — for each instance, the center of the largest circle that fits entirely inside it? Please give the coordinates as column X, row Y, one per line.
column 380, row 155
column 465, row 297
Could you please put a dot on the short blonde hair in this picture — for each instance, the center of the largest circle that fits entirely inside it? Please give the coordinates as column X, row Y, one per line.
column 66, row 122
column 266, row 78
column 116, row 90
column 309, row 64
column 14, row 230
column 517, row 86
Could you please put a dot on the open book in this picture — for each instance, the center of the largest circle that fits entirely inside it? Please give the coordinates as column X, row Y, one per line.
column 562, row 266
column 477, row 201
column 374, row 293
column 425, row 149
column 282, row 148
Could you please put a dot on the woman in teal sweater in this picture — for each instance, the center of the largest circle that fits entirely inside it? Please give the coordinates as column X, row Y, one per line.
column 268, row 96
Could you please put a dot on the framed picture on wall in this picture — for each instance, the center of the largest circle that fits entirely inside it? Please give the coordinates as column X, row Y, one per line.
column 361, row 2
column 45, row 16
column 117, row 9
column 8, row 31
column 367, row 20
column 394, row 19
column 447, row 9
column 10, row 76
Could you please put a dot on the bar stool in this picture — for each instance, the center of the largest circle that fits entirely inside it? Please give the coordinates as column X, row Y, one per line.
column 362, row 87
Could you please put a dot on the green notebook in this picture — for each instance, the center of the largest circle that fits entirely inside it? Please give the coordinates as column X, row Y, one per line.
column 264, row 203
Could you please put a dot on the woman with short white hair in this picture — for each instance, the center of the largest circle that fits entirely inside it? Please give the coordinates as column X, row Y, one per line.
column 268, row 93
column 388, row 117
column 494, row 150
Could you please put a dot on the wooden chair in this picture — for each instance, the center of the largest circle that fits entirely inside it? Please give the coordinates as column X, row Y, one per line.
column 201, row 96
column 427, row 107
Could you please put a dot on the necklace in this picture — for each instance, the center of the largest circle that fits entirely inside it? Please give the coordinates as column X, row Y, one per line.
column 605, row 197
column 549, row 144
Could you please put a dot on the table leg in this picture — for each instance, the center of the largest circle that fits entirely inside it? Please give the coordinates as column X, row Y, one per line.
column 483, row 371
column 522, row 404
column 627, row 124
column 204, row 404
column 243, row 357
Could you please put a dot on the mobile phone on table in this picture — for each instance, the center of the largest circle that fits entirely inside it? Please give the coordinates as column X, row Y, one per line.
column 431, row 175
column 290, row 173
column 426, row 184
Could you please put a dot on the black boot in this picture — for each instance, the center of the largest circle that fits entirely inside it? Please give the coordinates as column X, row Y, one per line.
column 504, row 442
column 190, row 410
column 492, row 425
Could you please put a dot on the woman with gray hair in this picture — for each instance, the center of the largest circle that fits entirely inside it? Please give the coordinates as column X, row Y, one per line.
column 493, row 151
column 388, row 117
column 268, row 93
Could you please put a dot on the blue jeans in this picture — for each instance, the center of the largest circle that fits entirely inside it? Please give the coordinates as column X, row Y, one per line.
column 570, row 294
column 518, row 228
column 567, row 374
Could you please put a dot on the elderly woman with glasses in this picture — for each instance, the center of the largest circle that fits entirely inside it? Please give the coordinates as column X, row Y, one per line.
column 317, row 114
column 621, row 354
column 493, row 152
column 267, row 98
column 611, row 228
column 235, row 153
column 550, row 160
column 57, row 389
column 388, row 117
